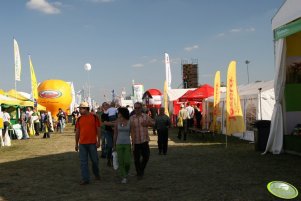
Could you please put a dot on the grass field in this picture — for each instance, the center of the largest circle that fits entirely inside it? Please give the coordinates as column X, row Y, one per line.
column 200, row 168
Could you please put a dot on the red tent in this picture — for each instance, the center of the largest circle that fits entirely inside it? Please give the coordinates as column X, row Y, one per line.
column 152, row 97
column 198, row 94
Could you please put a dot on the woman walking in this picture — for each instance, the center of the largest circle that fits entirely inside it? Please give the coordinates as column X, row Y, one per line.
column 122, row 142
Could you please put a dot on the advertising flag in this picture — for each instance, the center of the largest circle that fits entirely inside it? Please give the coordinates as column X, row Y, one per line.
column 166, row 99
column 17, row 61
column 34, row 84
column 234, row 121
column 217, row 96
column 167, row 71
column 138, row 90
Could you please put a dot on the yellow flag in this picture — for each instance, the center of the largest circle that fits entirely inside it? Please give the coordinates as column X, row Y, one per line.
column 34, row 84
column 234, row 121
column 217, row 96
column 1, row 121
column 166, row 98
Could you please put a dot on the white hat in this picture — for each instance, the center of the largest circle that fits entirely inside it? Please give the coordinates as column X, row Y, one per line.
column 182, row 105
column 83, row 105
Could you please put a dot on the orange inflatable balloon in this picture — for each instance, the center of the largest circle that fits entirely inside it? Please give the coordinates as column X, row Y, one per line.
column 55, row 94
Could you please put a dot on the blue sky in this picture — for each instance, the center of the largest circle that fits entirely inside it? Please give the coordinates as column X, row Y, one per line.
column 125, row 40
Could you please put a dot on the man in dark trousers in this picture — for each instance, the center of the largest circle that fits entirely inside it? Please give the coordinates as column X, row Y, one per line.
column 139, row 123
column 162, row 123
column 153, row 114
column 198, row 116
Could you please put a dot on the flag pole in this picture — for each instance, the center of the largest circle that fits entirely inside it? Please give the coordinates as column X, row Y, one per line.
column 222, row 124
column 15, row 69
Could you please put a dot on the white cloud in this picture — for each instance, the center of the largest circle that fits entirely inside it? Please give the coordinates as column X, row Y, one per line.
column 188, row 49
column 236, row 30
column 251, row 29
column 44, row 6
column 137, row 65
column 153, row 61
column 220, row 34
column 102, row 1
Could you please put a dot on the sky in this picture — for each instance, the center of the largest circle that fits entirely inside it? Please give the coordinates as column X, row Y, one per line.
column 125, row 40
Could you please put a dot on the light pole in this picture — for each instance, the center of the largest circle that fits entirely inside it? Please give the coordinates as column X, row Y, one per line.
column 88, row 68
column 247, row 62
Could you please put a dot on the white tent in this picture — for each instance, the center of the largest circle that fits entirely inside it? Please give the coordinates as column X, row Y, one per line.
column 286, row 25
column 174, row 94
column 257, row 101
column 173, row 103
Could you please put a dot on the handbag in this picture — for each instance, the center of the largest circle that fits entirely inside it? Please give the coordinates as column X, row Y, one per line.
column 115, row 160
column 180, row 122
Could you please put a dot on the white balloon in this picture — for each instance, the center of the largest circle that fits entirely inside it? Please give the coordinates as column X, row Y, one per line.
column 88, row 67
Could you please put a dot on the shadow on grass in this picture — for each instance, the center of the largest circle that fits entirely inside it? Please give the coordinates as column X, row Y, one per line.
column 197, row 169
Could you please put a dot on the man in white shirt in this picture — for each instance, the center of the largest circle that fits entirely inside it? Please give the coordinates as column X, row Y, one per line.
column 6, row 122
column 190, row 111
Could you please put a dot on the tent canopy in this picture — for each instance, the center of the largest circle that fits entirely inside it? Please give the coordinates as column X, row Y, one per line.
column 152, row 92
column 288, row 12
column 175, row 94
column 13, row 97
column 15, row 94
column 251, row 90
column 8, row 100
column 186, row 95
column 198, row 94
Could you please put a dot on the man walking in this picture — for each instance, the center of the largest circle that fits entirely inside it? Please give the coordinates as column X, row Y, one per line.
column 62, row 119
column 139, row 132
column 162, row 123
column 190, row 118
column 87, row 140
column 153, row 114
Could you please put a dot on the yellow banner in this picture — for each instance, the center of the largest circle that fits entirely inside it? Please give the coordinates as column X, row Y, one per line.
column 217, row 97
column 34, row 84
column 234, row 117
column 1, row 121
column 165, row 98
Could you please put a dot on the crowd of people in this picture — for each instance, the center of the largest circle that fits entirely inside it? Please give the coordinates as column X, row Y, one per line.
column 187, row 118
column 32, row 123
column 121, row 130
column 111, row 128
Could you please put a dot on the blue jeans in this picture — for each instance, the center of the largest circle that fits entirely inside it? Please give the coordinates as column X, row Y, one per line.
column 24, row 131
column 103, row 144
column 108, row 135
column 86, row 150
column 62, row 125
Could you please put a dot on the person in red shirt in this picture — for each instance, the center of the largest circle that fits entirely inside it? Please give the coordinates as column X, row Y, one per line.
column 87, row 140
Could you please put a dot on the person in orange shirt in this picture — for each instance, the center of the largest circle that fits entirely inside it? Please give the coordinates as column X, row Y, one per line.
column 87, row 140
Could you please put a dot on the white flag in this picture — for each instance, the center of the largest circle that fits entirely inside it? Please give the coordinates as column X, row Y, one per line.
column 17, row 61
column 167, row 71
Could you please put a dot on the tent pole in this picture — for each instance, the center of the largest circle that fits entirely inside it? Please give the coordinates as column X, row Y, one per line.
column 260, row 103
